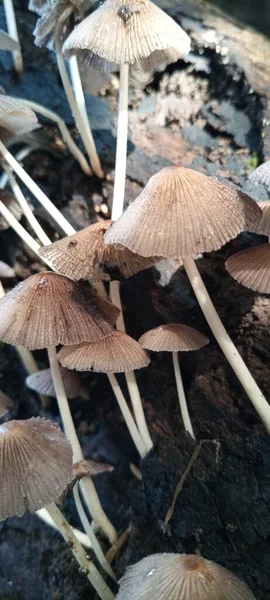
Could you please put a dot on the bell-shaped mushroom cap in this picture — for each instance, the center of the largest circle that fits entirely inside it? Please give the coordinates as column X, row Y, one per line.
column 15, row 117
column 251, row 268
column 181, row 213
column 11, row 203
column 54, row 15
column 84, row 255
column 7, row 42
column 48, row 309
column 173, row 338
column 42, row 383
column 6, row 272
column 127, row 32
column 6, row 404
column 35, row 465
column 117, row 353
column 261, row 175
column 180, row 577
column 262, row 226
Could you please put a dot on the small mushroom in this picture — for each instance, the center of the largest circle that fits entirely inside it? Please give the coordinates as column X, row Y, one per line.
column 175, row 338
column 6, row 404
column 251, row 268
column 261, row 175
column 42, row 383
column 182, row 577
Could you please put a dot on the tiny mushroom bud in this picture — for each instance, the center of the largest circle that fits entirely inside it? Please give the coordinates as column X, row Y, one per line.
column 6, row 404
column 261, row 175
column 251, row 268
column 42, row 383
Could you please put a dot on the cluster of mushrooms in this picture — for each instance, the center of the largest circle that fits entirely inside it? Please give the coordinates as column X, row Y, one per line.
column 180, row 214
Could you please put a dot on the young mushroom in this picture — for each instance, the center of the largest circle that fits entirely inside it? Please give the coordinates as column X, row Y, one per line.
column 41, row 382
column 202, row 214
column 6, row 404
column 181, row 577
column 251, row 268
column 261, row 175
column 175, row 338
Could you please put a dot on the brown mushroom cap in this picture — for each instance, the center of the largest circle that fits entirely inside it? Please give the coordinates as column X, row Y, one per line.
column 261, row 175
column 15, row 117
column 35, row 465
column 117, row 353
column 11, row 203
column 42, row 383
column 84, row 255
column 181, row 213
column 128, row 32
column 90, row 468
column 180, row 577
column 174, row 337
column 48, row 309
column 6, row 404
column 262, row 226
column 251, row 268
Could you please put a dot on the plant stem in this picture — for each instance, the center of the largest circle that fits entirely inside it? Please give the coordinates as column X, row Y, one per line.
column 13, row 32
column 182, row 395
column 87, row 485
column 121, row 146
column 227, row 346
column 86, row 565
column 45, row 516
column 79, row 96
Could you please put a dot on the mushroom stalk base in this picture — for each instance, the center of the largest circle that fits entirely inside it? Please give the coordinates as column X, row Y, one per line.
column 182, row 395
column 227, row 346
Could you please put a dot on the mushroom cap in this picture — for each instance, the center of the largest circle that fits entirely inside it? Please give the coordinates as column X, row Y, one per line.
column 174, row 337
column 180, row 577
column 180, row 213
column 89, row 468
column 42, row 383
column 15, row 117
column 251, row 268
column 261, row 175
column 11, row 203
column 6, row 272
column 262, row 226
column 54, row 14
column 38, row 6
column 117, row 353
column 36, row 465
column 7, row 42
column 84, row 255
column 48, row 309
column 6, row 404
column 128, row 32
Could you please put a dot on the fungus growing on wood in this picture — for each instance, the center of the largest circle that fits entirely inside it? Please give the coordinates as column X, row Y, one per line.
column 6, row 404
column 251, row 268
column 42, row 383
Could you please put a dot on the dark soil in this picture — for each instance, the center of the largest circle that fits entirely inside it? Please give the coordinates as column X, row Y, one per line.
column 200, row 113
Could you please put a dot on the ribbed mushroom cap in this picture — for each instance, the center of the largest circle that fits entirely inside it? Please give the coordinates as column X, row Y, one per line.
column 261, row 175
column 180, row 577
column 127, row 32
column 57, row 18
column 6, row 404
column 11, row 203
column 42, row 383
column 251, row 268
column 84, row 255
column 117, row 353
column 15, row 117
column 7, row 42
column 6, row 272
column 35, row 465
column 181, row 213
column 48, row 309
column 262, row 226
column 173, row 338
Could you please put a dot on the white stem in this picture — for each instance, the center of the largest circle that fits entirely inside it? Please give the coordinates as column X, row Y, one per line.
column 182, row 395
column 79, row 95
column 89, row 489
column 36, row 191
column 227, row 346
column 45, row 516
column 127, row 415
column 40, row 233
column 13, row 32
column 121, row 146
column 91, row 534
column 86, row 565
column 52, row 116
column 21, row 155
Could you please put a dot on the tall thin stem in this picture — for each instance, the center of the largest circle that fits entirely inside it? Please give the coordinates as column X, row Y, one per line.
column 227, row 346
column 13, row 32
column 121, row 146
column 182, row 395
column 45, row 516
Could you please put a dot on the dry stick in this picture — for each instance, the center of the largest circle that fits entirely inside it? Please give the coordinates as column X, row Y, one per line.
column 13, row 32
column 80, row 99
column 44, row 515
column 182, row 395
column 227, row 346
column 86, row 565
column 86, row 484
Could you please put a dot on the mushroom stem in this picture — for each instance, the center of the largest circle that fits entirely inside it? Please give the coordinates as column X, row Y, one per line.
column 36, row 191
column 227, row 346
column 33, row 222
column 127, row 415
column 13, row 32
column 130, row 376
column 88, row 488
column 45, row 516
column 121, row 146
column 182, row 395
column 86, row 565
column 21, row 155
column 52, row 116
column 80, row 99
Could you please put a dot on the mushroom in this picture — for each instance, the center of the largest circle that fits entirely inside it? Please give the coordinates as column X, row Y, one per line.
column 261, row 175
column 6, row 404
column 6, row 272
column 202, row 214
column 13, row 32
column 36, row 467
column 251, row 268
column 42, row 383
column 182, row 577
column 117, row 353
column 175, row 338
column 262, row 226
